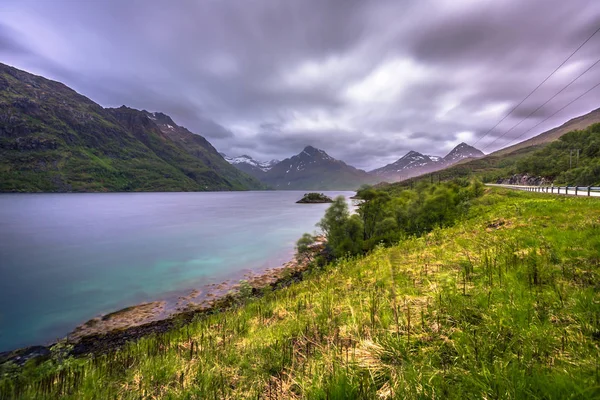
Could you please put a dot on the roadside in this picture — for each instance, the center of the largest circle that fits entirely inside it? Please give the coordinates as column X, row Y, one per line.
column 590, row 191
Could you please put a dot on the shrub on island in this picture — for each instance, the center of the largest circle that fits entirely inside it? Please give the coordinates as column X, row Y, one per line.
column 315, row 198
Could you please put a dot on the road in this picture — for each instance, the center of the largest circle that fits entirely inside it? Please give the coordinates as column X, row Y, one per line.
column 563, row 190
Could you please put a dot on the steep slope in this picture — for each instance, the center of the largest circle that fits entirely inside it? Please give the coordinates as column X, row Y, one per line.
column 179, row 148
column 557, row 163
column 313, row 169
column 251, row 166
column 201, row 149
column 53, row 139
column 573, row 124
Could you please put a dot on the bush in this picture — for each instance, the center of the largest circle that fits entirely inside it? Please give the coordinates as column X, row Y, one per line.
column 387, row 218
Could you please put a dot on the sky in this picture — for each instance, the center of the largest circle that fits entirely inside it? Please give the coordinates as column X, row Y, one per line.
column 364, row 80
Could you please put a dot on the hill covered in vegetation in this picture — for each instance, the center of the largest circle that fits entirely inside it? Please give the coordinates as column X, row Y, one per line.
column 574, row 159
column 502, row 302
column 52, row 139
column 555, row 161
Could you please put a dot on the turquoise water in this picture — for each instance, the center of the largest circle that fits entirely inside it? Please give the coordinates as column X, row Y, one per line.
column 65, row 258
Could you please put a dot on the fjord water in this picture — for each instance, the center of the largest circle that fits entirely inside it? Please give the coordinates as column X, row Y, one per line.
column 65, row 258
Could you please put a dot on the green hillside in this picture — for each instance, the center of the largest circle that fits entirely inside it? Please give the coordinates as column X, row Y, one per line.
column 574, row 159
column 53, row 139
column 574, row 124
column 503, row 304
column 552, row 160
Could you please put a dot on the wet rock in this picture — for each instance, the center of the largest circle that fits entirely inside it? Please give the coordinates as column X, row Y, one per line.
column 21, row 356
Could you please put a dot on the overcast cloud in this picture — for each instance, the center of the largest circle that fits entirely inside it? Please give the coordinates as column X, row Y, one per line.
column 366, row 81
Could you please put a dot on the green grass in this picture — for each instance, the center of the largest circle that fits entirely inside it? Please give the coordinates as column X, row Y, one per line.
column 505, row 304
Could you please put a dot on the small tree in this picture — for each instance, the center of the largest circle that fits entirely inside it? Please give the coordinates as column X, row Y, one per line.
column 335, row 217
column 305, row 248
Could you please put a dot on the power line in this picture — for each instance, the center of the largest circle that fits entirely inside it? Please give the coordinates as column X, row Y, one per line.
column 546, row 102
column 553, row 114
column 538, row 86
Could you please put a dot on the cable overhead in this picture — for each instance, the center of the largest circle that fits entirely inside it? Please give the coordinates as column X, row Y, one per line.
column 538, row 86
column 553, row 114
column 546, row 102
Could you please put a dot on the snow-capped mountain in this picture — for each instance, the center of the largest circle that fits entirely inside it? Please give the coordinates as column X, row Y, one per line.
column 249, row 165
column 314, row 169
column 414, row 163
column 462, row 151
column 411, row 164
column 244, row 159
column 410, row 160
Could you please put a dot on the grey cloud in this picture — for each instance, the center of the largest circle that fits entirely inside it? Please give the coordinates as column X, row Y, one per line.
column 10, row 43
column 268, row 77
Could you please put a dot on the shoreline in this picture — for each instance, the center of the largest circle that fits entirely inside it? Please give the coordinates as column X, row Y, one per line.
column 111, row 331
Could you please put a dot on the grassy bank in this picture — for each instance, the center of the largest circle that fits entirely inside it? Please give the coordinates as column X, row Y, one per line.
column 505, row 304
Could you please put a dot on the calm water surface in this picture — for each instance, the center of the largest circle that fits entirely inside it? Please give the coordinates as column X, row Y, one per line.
column 65, row 258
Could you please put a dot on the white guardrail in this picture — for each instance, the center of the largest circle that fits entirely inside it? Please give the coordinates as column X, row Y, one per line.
column 593, row 191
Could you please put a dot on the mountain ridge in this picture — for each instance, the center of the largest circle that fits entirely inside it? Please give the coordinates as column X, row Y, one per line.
column 414, row 163
column 249, row 165
column 53, row 139
column 314, row 169
column 503, row 163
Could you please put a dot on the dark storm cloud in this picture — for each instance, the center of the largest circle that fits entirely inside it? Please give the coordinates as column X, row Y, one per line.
column 366, row 81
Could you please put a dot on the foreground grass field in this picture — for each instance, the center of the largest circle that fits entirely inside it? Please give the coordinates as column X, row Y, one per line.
column 506, row 304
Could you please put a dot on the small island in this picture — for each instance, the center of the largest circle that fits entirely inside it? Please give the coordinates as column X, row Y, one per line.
column 310, row 198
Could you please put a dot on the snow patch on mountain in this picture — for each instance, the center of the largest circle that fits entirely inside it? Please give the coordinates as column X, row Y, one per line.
column 462, row 151
column 245, row 159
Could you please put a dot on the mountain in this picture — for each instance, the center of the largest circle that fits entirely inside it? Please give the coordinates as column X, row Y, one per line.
column 314, row 169
column 510, row 160
column 461, row 152
column 435, row 158
column 411, row 164
column 52, row 139
column 414, row 163
column 251, row 166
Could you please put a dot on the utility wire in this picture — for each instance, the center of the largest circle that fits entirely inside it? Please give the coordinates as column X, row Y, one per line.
column 538, row 86
column 546, row 102
column 553, row 114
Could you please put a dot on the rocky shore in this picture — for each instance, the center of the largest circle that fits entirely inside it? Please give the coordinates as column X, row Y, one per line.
column 111, row 331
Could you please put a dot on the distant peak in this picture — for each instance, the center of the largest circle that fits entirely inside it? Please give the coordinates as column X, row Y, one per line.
column 412, row 154
column 316, row 153
column 463, row 145
column 461, row 151
column 312, row 151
